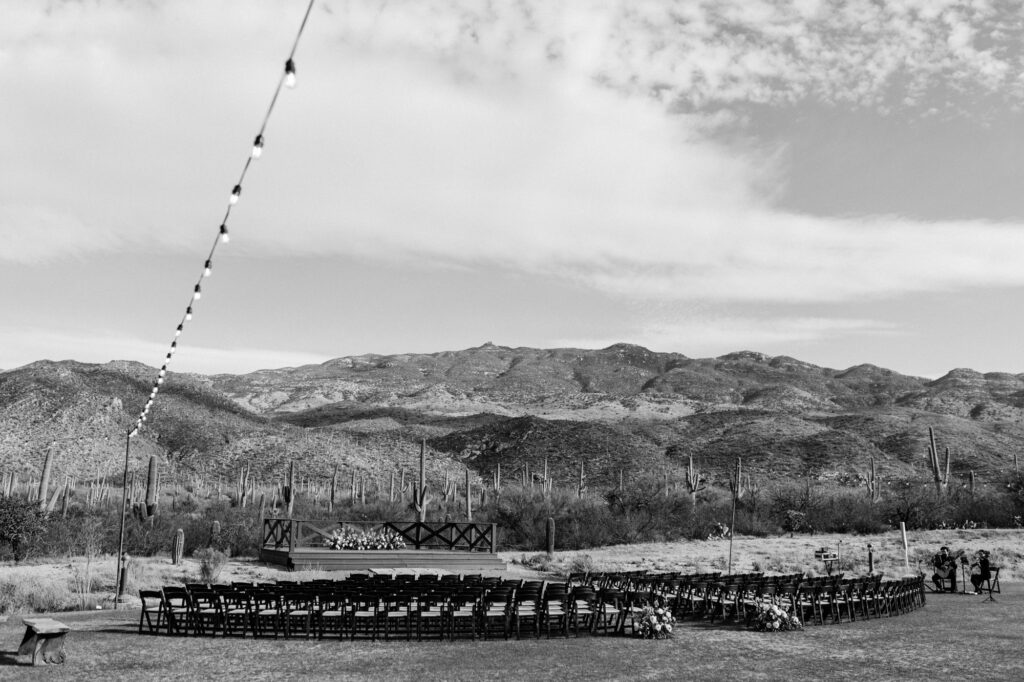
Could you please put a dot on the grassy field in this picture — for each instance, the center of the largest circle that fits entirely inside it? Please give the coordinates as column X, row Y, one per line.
column 953, row 637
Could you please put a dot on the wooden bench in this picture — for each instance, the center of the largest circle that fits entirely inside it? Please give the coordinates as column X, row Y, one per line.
column 44, row 639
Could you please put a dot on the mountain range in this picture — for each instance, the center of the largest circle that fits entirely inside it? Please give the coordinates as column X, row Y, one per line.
column 621, row 411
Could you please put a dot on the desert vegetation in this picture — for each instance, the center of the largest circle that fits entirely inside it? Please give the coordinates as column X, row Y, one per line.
column 209, row 521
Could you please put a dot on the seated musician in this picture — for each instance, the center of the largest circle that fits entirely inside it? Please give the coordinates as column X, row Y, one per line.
column 980, row 570
column 945, row 569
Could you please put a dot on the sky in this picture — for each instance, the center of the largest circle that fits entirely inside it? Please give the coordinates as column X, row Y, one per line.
column 839, row 182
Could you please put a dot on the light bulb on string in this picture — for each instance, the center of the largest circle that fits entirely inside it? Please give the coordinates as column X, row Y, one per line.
column 257, row 147
column 177, row 332
column 289, row 73
column 224, row 238
column 160, row 381
column 174, row 346
column 197, row 294
column 188, row 313
column 235, row 193
column 208, row 269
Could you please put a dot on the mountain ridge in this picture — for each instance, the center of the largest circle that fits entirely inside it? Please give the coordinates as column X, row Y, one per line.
column 368, row 412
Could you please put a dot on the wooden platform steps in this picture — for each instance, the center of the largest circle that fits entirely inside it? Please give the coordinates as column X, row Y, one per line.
column 318, row 559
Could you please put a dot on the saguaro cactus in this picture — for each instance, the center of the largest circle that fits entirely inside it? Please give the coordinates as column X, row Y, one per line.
column 420, row 497
column 177, row 547
column 215, row 534
column 694, row 481
column 44, row 481
column 940, row 472
column 469, row 497
column 871, row 483
column 334, row 490
column 581, row 484
column 151, row 500
column 290, row 490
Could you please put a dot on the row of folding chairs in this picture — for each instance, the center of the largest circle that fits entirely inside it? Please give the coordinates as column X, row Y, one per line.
column 814, row 601
column 379, row 609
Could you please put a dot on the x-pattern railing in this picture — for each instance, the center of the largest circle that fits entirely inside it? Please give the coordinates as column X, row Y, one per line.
column 290, row 533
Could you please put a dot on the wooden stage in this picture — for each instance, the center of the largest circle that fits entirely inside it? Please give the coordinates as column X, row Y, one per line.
column 299, row 545
column 323, row 559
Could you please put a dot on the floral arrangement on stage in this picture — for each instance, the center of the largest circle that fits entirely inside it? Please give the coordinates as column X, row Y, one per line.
column 346, row 538
column 774, row 619
column 654, row 622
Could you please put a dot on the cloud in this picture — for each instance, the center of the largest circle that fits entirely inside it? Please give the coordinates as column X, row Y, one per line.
column 19, row 347
column 710, row 336
column 541, row 137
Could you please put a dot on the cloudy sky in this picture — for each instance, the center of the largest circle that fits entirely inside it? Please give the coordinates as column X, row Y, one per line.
column 836, row 181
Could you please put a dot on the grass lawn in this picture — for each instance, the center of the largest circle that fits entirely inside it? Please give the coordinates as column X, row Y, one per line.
column 952, row 637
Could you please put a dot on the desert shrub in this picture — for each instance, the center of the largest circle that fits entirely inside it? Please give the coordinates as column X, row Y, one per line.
column 985, row 509
column 81, row 533
column 240, row 529
column 848, row 510
column 643, row 511
column 211, row 563
column 538, row 562
column 916, row 504
column 34, row 594
column 21, row 523
column 580, row 563
column 523, row 514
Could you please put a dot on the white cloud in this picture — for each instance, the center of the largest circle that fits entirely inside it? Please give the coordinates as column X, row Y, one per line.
column 521, row 135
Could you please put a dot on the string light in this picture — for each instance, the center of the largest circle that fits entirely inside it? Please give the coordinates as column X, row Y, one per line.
column 289, row 73
column 223, row 236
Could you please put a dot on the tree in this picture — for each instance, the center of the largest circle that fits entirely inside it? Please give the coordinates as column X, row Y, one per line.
column 20, row 523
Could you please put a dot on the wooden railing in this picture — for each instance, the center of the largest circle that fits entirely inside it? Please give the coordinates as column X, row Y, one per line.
column 290, row 534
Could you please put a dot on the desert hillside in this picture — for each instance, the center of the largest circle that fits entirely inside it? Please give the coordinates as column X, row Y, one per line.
column 619, row 410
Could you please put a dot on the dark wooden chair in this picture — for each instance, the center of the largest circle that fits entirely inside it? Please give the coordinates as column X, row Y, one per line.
column 207, row 612
column 237, row 609
column 297, row 609
column 178, row 610
column 526, row 610
column 153, row 616
column 496, row 612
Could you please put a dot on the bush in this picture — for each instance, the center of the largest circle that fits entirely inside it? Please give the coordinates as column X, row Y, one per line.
column 21, row 523
column 211, row 563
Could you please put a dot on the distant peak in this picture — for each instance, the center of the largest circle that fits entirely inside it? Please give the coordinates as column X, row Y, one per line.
column 627, row 348
column 745, row 356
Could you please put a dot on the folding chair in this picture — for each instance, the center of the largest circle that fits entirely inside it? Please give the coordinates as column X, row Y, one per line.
column 152, row 607
column 496, row 610
column 178, row 610
column 207, row 611
column 237, row 611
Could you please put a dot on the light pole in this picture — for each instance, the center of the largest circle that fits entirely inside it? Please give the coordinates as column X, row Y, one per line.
column 119, row 578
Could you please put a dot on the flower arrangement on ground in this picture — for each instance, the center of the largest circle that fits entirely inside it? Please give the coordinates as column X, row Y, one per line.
column 773, row 618
column 346, row 538
column 654, row 622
